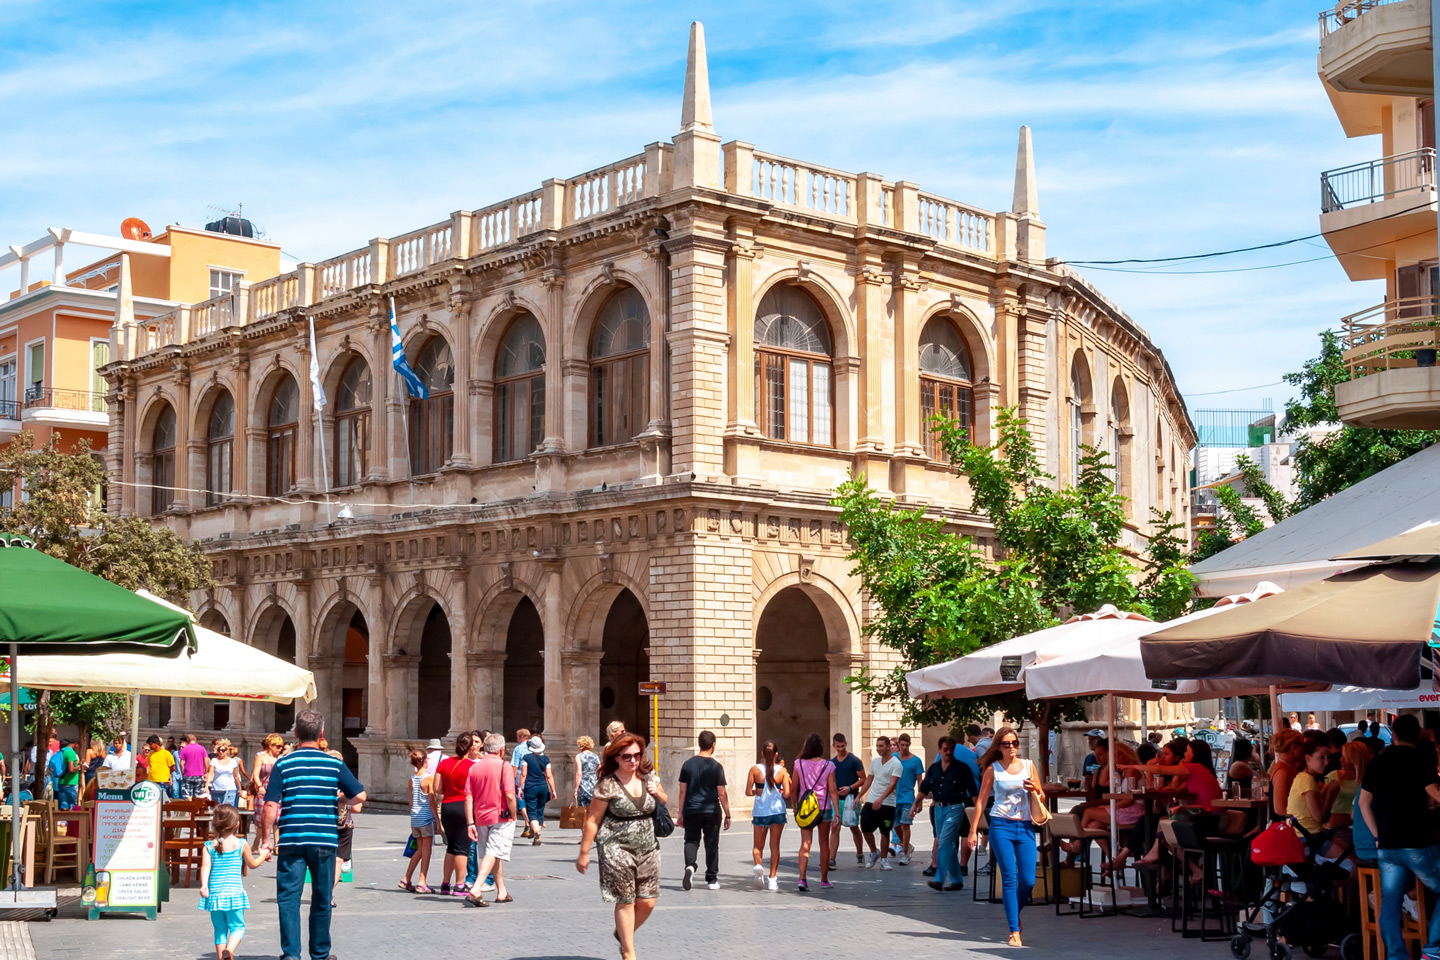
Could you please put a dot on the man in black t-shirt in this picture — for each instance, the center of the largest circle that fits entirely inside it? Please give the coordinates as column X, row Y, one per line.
column 1395, row 802
column 703, row 803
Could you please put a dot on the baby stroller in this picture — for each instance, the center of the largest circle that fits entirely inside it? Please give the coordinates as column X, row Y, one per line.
column 1311, row 914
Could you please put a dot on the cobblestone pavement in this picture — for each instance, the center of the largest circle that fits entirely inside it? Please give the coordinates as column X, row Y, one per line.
column 558, row 914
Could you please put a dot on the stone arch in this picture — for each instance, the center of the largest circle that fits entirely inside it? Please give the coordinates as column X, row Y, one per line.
column 418, row 667
column 331, row 378
column 340, row 659
column 971, row 330
column 486, row 345
column 806, row 638
column 592, row 599
column 277, row 632
column 593, row 299
column 492, row 612
column 148, row 473
column 264, row 389
column 1080, row 396
column 609, row 634
column 832, row 303
column 1122, row 446
column 207, row 395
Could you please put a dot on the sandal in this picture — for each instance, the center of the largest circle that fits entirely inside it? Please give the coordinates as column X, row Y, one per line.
column 505, row 899
column 461, row 889
column 445, row 889
column 407, row 886
column 422, row 889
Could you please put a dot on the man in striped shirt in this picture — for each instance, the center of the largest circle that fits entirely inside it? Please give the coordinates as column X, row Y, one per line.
column 300, row 799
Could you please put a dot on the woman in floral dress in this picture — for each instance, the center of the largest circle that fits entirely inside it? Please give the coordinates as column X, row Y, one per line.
column 622, row 822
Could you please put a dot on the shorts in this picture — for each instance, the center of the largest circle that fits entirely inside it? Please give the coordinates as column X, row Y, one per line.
column 426, row 831
column 457, row 833
column 775, row 820
column 872, row 819
column 904, row 815
column 535, row 800
column 346, row 843
column 494, row 840
column 228, row 924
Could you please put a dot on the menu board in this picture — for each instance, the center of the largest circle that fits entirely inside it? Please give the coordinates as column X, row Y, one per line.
column 127, row 848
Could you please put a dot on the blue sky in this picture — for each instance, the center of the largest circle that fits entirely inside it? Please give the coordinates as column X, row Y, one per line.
column 1160, row 129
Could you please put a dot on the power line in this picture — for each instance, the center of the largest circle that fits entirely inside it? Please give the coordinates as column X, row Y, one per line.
column 1196, row 256
column 1216, row 393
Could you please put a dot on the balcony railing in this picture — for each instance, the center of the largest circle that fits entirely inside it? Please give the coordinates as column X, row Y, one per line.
column 1337, row 17
column 58, row 399
column 1363, row 183
column 9, row 409
column 1391, row 335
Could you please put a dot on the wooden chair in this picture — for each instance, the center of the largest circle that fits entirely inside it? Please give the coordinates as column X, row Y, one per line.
column 183, row 836
column 59, row 851
column 1414, row 931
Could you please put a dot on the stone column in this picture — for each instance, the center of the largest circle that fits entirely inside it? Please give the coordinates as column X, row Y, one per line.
column 553, row 279
column 460, row 312
column 485, row 670
column 239, row 445
column 130, row 413
column 182, row 499
column 381, row 378
column 878, row 345
column 402, row 690
column 377, row 618
column 306, row 464
column 552, row 620
column 908, row 285
column 699, row 345
column 846, row 706
column 464, row 711
column 740, row 313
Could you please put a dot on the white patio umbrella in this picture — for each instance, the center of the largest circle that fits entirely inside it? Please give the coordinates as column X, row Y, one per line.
column 220, row 669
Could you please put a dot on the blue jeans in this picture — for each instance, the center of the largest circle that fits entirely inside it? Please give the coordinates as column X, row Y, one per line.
column 472, row 864
column 67, row 797
column 290, row 866
column 1013, row 843
column 1398, row 867
column 226, row 796
column 948, row 820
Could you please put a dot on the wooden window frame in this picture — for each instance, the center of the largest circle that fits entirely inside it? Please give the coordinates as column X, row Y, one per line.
column 504, row 401
column 784, row 358
column 633, row 369
column 930, row 387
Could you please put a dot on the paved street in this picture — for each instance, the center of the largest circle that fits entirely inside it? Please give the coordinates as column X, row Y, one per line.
column 558, row 915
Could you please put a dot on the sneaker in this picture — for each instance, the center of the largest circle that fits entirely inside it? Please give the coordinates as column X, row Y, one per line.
column 826, row 885
column 870, row 861
column 802, row 886
column 885, row 864
column 487, row 888
column 713, row 885
column 759, row 873
column 832, row 863
column 951, row 887
column 928, row 872
column 935, row 885
column 904, row 859
column 685, row 883
column 860, row 859
column 772, row 883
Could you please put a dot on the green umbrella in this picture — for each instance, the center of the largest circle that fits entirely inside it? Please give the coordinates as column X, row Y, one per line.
column 27, row 699
column 50, row 607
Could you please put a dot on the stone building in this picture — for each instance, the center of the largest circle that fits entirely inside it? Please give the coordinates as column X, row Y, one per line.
column 644, row 384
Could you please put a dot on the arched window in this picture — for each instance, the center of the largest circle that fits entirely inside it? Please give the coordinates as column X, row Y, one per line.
column 281, row 425
column 219, row 446
column 1079, row 396
column 520, row 390
column 793, row 377
column 162, row 466
column 945, row 381
column 352, row 423
column 620, row 370
column 1120, row 438
column 432, row 421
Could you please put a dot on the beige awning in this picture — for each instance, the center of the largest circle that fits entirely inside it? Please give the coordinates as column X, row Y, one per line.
column 220, row 669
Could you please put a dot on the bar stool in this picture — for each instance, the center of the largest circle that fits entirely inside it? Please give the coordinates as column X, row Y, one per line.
column 1066, row 826
column 1415, row 932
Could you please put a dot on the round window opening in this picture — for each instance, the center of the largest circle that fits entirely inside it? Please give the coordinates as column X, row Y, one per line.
column 764, row 698
column 607, row 698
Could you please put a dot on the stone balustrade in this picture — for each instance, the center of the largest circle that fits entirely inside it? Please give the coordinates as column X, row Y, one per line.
column 789, row 185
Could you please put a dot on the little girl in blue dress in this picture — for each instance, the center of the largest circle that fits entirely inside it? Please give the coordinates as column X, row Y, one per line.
column 222, row 892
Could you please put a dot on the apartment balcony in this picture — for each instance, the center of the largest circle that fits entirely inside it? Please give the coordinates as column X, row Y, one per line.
column 9, row 420
column 53, row 407
column 1390, row 352
column 1377, row 47
column 1379, row 211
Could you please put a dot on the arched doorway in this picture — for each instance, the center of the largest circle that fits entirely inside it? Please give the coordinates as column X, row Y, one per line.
column 354, row 686
column 285, row 650
column 792, row 674
column 625, row 662
column 524, row 680
column 432, row 715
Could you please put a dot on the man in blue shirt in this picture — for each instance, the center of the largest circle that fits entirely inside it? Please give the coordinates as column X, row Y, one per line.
column 912, row 768
column 301, row 800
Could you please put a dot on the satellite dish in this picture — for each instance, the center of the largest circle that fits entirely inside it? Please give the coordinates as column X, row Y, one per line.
column 135, row 229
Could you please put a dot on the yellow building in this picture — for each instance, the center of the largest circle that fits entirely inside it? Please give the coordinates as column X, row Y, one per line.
column 1379, row 216
column 55, row 333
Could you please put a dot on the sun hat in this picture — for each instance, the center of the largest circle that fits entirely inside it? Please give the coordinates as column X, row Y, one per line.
column 434, row 744
column 535, row 744
column 1097, row 732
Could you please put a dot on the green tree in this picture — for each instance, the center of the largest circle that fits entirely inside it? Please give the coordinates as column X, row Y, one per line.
column 940, row 595
column 1235, row 519
column 1330, row 463
column 61, row 508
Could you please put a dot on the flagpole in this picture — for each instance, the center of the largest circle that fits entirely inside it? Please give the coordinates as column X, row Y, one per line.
column 404, row 405
column 318, row 392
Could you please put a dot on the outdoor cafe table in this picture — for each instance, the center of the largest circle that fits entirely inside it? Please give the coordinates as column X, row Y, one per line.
column 169, row 822
column 1055, row 792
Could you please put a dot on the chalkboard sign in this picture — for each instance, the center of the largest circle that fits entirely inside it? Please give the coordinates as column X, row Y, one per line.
column 126, row 865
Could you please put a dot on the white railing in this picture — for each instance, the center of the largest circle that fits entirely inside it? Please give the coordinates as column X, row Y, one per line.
column 608, row 188
column 505, row 222
column 269, row 297
column 1377, row 180
column 213, row 315
column 414, row 251
column 956, row 225
column 791, row 183
column 1341, row 15
column 345, row 272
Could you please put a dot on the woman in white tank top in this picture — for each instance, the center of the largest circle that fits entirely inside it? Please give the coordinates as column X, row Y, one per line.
column 1010, row 780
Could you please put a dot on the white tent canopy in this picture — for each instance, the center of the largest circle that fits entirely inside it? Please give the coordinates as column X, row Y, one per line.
column 1361, row 698
column 220, row 669
column 1298, row 549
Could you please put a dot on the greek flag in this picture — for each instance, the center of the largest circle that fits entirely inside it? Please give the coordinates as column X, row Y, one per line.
column 315, row 385
column 402, row 365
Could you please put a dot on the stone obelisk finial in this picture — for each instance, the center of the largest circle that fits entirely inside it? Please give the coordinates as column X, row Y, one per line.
column 1025, row 203
column 695, row 114
column 697, row 146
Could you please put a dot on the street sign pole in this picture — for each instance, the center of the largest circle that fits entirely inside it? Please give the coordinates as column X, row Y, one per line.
column 654, row 689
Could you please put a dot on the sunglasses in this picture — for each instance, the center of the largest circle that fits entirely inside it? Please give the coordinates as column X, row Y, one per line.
column 1009, row 743
column 630, row 756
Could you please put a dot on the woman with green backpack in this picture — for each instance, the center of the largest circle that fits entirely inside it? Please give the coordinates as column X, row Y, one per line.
column 811, row 790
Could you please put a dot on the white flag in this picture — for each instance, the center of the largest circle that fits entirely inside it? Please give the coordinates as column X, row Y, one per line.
column 316, row 387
